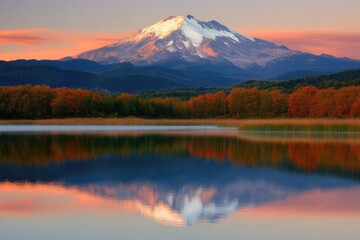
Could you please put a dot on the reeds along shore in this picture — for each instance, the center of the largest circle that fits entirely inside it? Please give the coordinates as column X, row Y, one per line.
column 306, row 125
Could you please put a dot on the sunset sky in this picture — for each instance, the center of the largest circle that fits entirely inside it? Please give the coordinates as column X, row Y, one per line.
column 52, row 29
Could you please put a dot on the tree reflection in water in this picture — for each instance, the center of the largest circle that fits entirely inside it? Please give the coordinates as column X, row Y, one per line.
column 186, row 178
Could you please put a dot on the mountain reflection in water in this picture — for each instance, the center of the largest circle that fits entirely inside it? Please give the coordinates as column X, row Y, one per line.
column 180, row 179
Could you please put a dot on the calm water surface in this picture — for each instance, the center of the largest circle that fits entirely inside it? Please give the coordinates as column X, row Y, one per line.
column 176, row 182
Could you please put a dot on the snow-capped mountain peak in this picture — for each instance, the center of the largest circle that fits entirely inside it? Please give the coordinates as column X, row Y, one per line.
column 190, row 27
column 163, row 28
column 188, row 39
column 197, row 30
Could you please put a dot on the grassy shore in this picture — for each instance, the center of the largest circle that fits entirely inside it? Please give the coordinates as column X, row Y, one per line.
column 290, row 125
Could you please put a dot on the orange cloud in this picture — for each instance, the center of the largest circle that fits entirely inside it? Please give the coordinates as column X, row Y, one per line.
column 23, row 36
column 40, row 43
column 339, row 44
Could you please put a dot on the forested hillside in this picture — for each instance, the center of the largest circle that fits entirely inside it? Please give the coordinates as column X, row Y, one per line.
column 336, row 80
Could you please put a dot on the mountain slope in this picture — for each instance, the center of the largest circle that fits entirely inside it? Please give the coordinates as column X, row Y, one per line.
column 176, row 42
column 14, row 75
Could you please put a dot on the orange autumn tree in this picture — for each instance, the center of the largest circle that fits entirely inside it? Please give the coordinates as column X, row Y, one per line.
column 25, row 102
column 301, row 102
column 235, row 102
column 311, row 102
column 355, row 109
column 273, row 103
column 74, row 103
column 202, row 106
column 220, row 104
column 324, row 103
column 244, row 103
column 252, row 103
column 344, row 99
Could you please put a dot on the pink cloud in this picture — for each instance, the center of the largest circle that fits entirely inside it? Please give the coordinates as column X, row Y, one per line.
column 52, row 43
column 22, row 36
column 340, row 44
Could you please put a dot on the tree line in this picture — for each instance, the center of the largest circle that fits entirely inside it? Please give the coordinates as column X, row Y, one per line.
column 41, row 102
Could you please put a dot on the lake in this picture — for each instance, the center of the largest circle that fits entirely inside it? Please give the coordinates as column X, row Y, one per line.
column 177, row 182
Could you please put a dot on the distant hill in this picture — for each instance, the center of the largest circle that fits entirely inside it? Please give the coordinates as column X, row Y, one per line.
column 14, row 74
column 335, row 80
column 75, row 64
column 81, row 73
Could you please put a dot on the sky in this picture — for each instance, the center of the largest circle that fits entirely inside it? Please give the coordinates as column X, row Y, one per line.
column 52, row 29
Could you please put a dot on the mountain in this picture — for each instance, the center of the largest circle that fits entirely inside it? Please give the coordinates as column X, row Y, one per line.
column 183, row 42
column 186, row 38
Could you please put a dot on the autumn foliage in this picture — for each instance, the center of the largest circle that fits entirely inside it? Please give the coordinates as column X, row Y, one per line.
column 40, row 102
column 324, row 103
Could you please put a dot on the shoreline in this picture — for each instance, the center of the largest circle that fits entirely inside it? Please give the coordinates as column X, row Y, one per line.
column 282, row 125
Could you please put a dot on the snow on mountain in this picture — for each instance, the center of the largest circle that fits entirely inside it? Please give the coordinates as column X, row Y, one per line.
column 189, row 39
column 190, row 27
column 161, row 29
